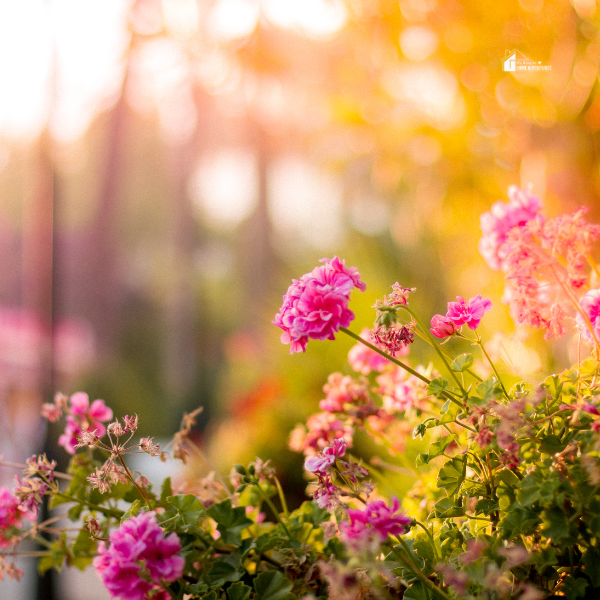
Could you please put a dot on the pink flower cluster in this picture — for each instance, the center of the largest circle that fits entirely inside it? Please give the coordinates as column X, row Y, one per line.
column 137, row 549
column 81, row 416
column 320, row 431
column 377, row 520
column 545, row 266
column 460, row 313
column 10, row 516
column 316, row 306
column 590, row 304
column 401, row 391
column 495, row 225
column 364, row 360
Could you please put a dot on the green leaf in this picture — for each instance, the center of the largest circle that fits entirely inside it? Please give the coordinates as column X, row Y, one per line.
column 223, row 571
column 273, row 585
column 134, row 509
column 417, row 591
column 446, row 508
column 166, row 490
column 230, row 521
column 188, row 508
column 489, row 389
column 551, row 444
column 591, row 560
column 574, row 588
column 556, row 524
column 239, row 591
column 462, row 363
column 486, row 506
column 452, row 474
column 529, row 492
column 437, row 386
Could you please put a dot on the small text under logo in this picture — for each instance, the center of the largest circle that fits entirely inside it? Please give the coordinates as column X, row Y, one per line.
column 517, row 61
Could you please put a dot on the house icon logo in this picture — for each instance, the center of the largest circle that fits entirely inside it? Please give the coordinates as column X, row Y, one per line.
column 514, row 60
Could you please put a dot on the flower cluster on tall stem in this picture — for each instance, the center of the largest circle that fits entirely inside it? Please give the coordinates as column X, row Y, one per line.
column 316, row 305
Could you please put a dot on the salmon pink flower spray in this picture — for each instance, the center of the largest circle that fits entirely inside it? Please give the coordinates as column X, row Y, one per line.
column 316, row 306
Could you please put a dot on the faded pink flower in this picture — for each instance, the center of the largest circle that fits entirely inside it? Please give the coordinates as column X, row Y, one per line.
column 322, row 462
column 590, row 303
column 320, row 431
column 138, row 546
column 468, row 313
column 83, row 417
column 442, row 327
column 364, row 360
column 343, row 389
column 503, row 217
column 401, row 391
column 316, row 306
column 375, row 518
column 10, row 516
column 30, row 492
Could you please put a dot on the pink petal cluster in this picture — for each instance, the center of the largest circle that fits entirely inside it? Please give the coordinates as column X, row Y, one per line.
column 545, row 268
column 460, row 313
column 83, row 417
column 323, row 461
column 590, row 303
column 139, row 547
column 320, row 431
column 503, row 217
column 377, row 519
column 342, row 390
column 364, row 360
column 401, row 391
column 10, row 516
column 316, row 306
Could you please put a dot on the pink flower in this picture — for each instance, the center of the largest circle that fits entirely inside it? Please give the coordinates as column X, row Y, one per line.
column 138, row 546
column 316, row 306
column 468, row 313
column 327, row 458
column 376, row 519
column 401, row 391
column 495, row 225
column 590, row 303
column 342, row 389
column 442, row 327
column 83, row 417
column 10, row 516
column 364, row 360
column 321, row 429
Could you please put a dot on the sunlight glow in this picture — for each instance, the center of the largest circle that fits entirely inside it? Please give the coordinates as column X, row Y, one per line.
column 318, row 18
column 232, row 19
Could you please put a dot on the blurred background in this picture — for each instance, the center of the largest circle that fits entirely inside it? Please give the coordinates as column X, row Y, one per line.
column 167, row 166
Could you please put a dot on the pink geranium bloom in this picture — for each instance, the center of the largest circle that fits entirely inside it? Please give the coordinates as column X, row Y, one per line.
column 10, row 515
column 316, row 306
column 503, row 217
column 364, row 360
column 468, row 313
column 376, row 518
column 138, row 546
column 322, row 462
column 83, row 417
column 442, row 326
column 590, row 303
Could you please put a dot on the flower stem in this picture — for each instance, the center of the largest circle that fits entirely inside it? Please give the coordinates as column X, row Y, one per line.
column 108, row 512
column 480, row 344
column 139, row 488
column 273, row 509
column 385, row 354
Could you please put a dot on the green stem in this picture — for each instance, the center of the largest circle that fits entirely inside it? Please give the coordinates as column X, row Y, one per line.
column 420, row 575
column 273, row 509
column 430, row 536
column 480, row 344
column 437, row 349
column 385, row 354
column 139, row 488
column 108, row 512
column 281, row 495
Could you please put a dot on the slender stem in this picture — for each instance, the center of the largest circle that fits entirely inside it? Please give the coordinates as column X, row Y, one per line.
column 429, row 535
column 480, row 344
column 385, row 354
column 420, row 575
column 437, row 349
column 273, row 509
column 390, row 448
column 109, row 512
column 139, row 488
column 281, row 495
